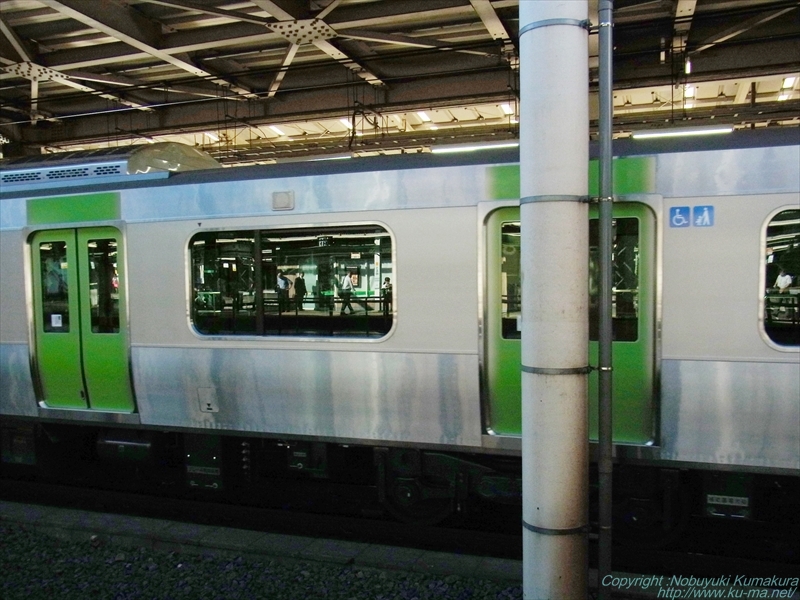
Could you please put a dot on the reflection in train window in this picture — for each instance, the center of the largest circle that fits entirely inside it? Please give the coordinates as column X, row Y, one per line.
column 625, row 279
column 55, row 287
column 289, row 282
column 103, row 286
column 782, row 268
column 510, row 284
column 625, row 291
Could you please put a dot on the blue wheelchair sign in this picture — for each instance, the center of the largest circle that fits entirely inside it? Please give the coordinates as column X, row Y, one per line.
column 703, row 216
column 680, row 216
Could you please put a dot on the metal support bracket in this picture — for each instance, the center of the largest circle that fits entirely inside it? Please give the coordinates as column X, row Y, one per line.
column 547, row 531
column 585, row 24
column 554, row 198
column 567, row 371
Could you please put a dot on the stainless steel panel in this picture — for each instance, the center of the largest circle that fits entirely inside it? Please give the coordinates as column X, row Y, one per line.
column 729, row 172
column 344, row 192
column 13, row 213
column 417, row 398
column 89, row 416
column 16, row 388
column 731, row 413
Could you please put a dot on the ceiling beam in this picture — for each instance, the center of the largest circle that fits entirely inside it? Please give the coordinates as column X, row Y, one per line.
column 125, row 24
column 18, row 46
column 739, row 29
column 494, row 25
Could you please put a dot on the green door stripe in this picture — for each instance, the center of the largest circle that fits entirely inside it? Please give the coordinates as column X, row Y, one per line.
column 74, row 209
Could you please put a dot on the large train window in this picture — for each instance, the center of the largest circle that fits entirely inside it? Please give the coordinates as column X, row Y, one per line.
column 782, row 269
column 320, row 281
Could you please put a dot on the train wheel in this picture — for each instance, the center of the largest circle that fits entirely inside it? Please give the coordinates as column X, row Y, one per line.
column 411, row 501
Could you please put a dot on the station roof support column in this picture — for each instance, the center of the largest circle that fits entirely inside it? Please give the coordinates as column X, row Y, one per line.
column 554, row 158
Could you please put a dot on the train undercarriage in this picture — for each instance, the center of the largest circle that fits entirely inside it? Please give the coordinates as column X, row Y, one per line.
column 655, row 506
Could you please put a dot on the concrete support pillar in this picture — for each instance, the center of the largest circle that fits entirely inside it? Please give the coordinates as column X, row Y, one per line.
column 554, row 158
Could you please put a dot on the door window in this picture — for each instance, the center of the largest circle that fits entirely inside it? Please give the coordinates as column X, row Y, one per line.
column 55, row 286
column 103, row 285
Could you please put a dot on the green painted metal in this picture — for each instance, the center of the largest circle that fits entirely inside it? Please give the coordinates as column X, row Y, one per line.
column 502, row 356
column 74, row 209
column 105, row 355
column 632, row 175
column 633, row 383
column 58, row 338
column 633, row 362
column 82, row 368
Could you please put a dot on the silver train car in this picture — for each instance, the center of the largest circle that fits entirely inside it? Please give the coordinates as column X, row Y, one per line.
column 372, row 306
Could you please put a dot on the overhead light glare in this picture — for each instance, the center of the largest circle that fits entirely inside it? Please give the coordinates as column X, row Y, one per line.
column 346, row 123
column 506, row 108
column 682, row 132
column 337, row 157
column 788, row 83
column 276, row 130
column 456, row 149
column 212, row 136
column 782, row 97
column 688, row 92
column 424, row 116
column 687, row 67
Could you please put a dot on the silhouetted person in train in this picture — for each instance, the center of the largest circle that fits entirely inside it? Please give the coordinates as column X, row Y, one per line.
column 346, row 290
column 299, row 290
column 386, row 289
column 783, row 282
column 283, row 291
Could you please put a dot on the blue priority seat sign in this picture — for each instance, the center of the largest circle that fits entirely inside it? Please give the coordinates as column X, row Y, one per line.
column 703, row 216
column 691, row 216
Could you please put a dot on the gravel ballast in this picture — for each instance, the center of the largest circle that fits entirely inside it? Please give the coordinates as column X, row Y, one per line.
column 38, row 565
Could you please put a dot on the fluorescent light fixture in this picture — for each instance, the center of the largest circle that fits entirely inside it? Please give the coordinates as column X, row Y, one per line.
column 276, row 130
column 682, row 132
column 346, row 123
column 688, row 92
column 337, row 157
column 212, row 136
column 788, row 83
column 506, row 108
column 455, row 149
column 423, row 115
column 687, row 67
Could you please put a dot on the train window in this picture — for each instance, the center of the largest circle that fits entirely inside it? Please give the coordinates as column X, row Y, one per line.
column 103, row 286
column 510, row 284
column 55, row 287
column 318, row 282
column 625, row 275
column 625, row 301
column 782, row 269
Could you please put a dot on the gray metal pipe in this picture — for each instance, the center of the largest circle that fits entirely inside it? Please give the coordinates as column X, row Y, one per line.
column 605, row 258
column 554, row 154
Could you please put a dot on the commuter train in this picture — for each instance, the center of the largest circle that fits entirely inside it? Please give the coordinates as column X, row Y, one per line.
column 204, row 316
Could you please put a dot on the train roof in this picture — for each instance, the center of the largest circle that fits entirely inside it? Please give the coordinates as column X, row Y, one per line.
column 107, row 169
